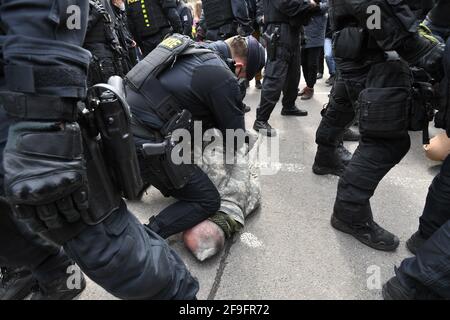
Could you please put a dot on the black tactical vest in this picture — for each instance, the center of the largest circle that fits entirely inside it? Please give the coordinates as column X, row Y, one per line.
column 217, row 13
column 147, row 16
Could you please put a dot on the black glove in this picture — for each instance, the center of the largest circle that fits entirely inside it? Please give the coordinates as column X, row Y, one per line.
column 45, row 174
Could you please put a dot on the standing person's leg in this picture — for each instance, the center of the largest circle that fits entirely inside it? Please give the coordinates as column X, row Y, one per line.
column 336, row 117
column 290, row 88
column 311, row 55
column 427, row 275
column 384, row 142
column 330, row 61
column 437, row 208
column 274, row 79
column 320, row 63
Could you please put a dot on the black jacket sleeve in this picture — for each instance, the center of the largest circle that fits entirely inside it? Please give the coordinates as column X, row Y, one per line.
column 170, row 10
column 219, row 90
column 187, row 21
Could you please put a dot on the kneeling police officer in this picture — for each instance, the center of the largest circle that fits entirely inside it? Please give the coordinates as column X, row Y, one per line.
column 178, row 83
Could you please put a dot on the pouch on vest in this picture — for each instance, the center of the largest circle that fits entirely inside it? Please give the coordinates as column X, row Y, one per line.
column 348, row 43
column 384, row 111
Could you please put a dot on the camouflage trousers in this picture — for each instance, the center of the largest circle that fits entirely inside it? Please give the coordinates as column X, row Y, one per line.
column 238, row 182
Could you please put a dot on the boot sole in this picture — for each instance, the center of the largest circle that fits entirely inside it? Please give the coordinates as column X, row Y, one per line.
column 294, row 114
column 338, row 225
column 322, row 171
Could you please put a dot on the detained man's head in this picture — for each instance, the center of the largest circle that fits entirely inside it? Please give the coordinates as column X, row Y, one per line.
column 248, row 54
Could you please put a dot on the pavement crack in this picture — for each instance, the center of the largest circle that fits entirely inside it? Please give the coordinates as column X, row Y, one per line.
column 221, row 269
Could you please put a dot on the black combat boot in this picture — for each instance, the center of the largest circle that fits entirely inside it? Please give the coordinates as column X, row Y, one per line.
column 59, row 289
column 415, row 242
column 264, row 127
column 369, row 233
column 293, row 111
column 402, row 287
column 15, row 284
column 351, row 135
column 328, row 161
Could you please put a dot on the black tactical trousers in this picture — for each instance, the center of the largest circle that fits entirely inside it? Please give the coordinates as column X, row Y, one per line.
column 310, row 64
column 197, row 201
column 151, row 42
column 382, row 92
column 437, row 205
column 431, row 265
column 282, row 73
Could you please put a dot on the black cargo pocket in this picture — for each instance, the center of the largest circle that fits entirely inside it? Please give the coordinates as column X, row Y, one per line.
column 384, row 111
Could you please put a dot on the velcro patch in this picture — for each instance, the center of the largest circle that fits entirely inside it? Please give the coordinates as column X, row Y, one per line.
column 171, row 43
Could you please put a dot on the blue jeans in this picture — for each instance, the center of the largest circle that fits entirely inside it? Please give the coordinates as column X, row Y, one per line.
column 329, row 56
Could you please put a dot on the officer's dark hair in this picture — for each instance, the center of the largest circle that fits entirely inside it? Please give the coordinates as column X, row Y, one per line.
column 238, row 47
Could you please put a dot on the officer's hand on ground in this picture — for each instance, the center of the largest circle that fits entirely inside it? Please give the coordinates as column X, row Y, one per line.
column 45, row 174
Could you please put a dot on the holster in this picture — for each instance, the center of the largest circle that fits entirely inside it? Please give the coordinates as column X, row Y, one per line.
column 113, row 119
column 104, row 197
column 155, row 155
column 423, row 104
column 272, row 41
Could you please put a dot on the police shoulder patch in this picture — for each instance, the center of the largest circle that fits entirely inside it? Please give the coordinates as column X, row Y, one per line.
column 171, row 43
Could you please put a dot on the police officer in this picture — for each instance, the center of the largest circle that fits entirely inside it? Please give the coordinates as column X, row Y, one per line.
column 226, row 18
column 425, row 275
column 283, row 21
column 203, row 86
column 381, row 84
column 109, row 57
column 125, row 38
column 51, row 186
column 187, row 20
column 151, row 20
